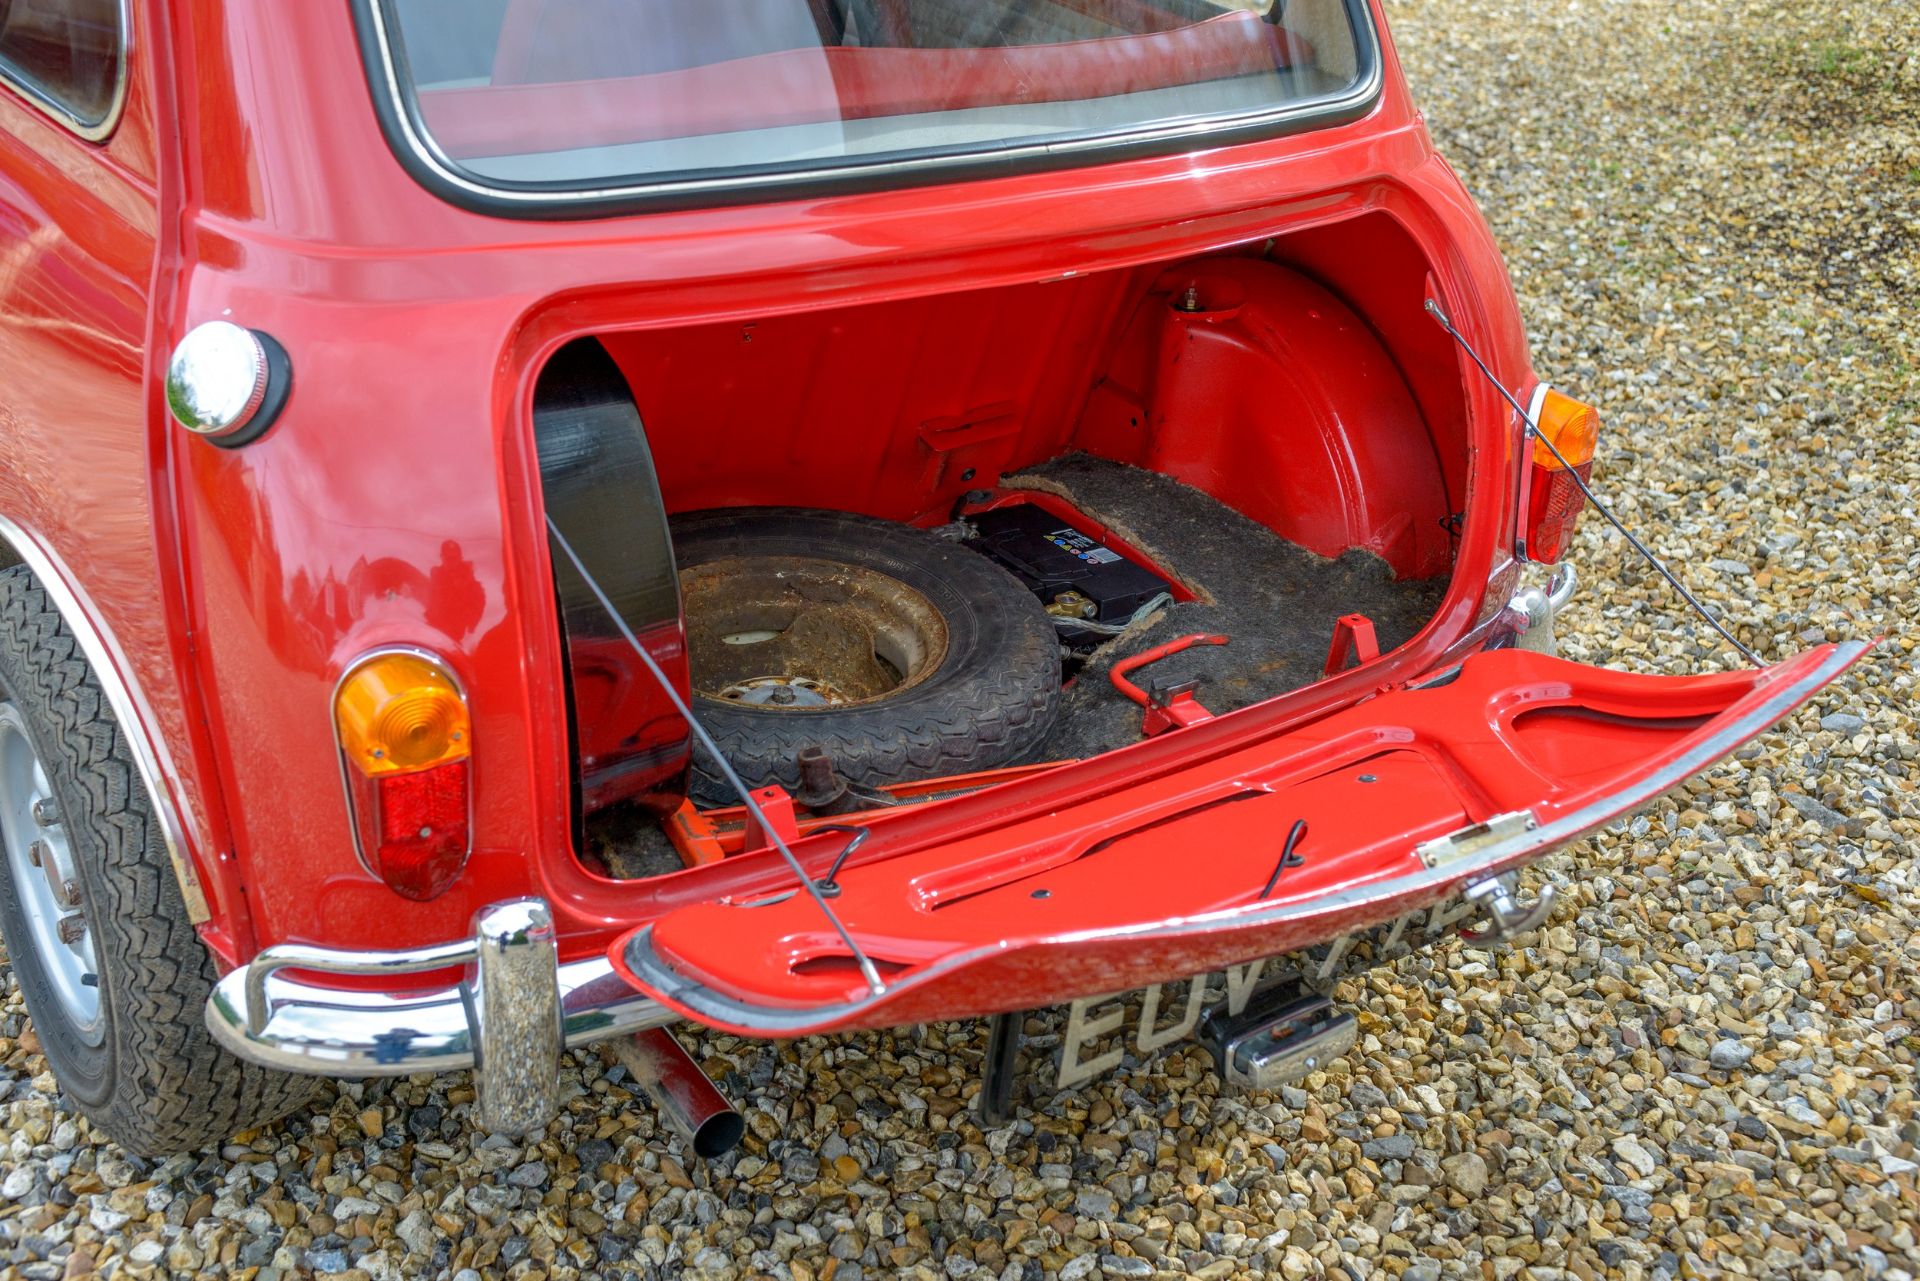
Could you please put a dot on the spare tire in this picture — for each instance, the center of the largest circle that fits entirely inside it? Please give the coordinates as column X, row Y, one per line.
column 902, row 654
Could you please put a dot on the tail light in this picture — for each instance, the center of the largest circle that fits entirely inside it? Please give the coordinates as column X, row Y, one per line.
column 405, row 741
column 1554, row 499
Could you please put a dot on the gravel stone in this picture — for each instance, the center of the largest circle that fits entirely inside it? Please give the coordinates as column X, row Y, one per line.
column 1395, row 1147
column 1095, row 1203
column 1466, row 1173
column 1631, row 1151
column 1814, row 811
column 531, row 1175
column 329, row 1260
column 1729, row 1054
column 1080, row 1267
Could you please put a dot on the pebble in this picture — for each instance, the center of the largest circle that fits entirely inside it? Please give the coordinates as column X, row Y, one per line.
column 1396, row 1147
column 1466, row 1173
column 1815, row 811
column 531, row 1175
column 1729, row 1054
column 1095, row 1203
column 1635, row 1154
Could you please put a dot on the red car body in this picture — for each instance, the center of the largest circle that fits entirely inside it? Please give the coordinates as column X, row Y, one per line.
column 394, row 503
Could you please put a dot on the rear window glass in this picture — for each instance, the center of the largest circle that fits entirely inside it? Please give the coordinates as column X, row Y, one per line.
column 65, row 53
column 591, row 93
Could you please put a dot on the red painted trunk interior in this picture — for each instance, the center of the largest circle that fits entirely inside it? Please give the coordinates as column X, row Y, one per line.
column 1296, row 382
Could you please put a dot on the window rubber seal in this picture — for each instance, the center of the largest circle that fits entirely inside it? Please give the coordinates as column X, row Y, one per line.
column 50, row 106
column 397, row 108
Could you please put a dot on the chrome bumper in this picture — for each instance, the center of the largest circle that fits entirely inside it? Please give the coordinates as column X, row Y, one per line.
column 508, row 1016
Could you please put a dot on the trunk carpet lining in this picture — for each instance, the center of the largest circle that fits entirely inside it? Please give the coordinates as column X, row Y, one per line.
column 1277, row 601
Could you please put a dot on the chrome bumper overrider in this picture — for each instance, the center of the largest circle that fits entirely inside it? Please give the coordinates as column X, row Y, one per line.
column 507, row 1017
column 1533, row 610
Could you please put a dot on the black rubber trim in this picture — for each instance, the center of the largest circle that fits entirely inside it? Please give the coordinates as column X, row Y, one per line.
column 401, row 122
column 597, row 479
column 279, row 389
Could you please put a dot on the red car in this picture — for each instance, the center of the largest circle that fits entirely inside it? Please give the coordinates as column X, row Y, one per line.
column 1042, row 442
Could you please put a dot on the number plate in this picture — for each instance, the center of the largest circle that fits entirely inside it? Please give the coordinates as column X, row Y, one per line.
column 1099, row 1032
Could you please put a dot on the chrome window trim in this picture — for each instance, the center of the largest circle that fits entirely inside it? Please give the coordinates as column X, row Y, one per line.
column 52, row 108
column 399, row 115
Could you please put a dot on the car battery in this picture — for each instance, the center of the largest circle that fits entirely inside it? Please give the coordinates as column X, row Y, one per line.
column 1074, row 574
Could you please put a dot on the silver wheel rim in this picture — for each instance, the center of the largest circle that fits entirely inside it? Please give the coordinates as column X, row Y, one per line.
column 40, row 861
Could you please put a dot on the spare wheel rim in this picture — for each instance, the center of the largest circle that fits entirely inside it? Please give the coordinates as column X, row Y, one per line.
column 804, row 633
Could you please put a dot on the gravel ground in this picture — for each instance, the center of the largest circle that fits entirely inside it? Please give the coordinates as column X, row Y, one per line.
column 1704, row 1067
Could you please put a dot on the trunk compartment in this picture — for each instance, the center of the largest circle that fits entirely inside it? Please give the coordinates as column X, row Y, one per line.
column 1271, row 430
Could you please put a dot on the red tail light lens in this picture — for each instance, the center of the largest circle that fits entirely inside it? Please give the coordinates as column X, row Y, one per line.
column 405, row 738
column 1555, row 502
column 421, row 825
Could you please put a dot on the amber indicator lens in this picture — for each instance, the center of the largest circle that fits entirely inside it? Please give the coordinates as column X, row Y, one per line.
column 399, row 713
column 1555, row 498
column 1573, row 427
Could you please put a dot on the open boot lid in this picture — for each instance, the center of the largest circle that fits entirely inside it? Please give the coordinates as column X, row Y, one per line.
column 1406, row 798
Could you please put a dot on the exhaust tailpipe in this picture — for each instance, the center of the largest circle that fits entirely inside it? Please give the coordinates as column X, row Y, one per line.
column 681, row 1091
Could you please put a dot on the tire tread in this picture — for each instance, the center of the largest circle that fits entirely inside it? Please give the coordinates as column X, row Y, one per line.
column 173, row 1087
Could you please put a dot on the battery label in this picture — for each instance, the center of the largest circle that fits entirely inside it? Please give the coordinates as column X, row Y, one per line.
column 1078, row 544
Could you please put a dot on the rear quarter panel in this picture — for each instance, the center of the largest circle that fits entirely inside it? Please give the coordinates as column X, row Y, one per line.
column 79, row 456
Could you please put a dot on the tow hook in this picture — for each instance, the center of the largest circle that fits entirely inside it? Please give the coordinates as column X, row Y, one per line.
column 1533, row 609
column 1507, row 916
column 1284, row 1034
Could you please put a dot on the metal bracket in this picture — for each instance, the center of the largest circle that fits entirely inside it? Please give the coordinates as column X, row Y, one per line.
column 1507, row 916
column 1353, row 636
column 997, row 1081
column 772, row 813
column 1469, row 840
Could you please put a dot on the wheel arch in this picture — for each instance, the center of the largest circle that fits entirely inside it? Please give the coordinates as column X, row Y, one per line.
column 19, row 546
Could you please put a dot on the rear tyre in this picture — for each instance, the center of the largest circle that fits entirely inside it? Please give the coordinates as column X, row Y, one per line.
column 115, row 979
column 951, row 665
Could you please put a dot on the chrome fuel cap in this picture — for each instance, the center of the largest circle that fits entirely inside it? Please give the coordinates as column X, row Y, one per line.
column 226, row 383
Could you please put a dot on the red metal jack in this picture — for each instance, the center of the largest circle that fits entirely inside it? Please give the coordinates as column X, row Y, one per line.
column 1352, row 634
column 1168, row 706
